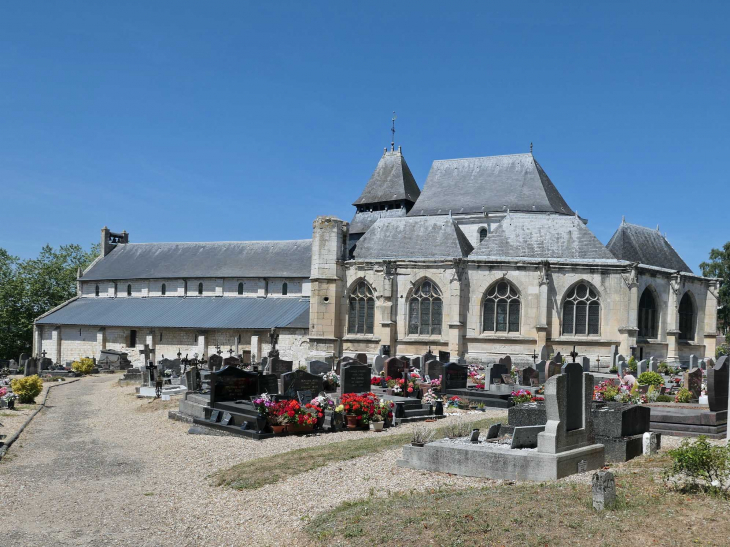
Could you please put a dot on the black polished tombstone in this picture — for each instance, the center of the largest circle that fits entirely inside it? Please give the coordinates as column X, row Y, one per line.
column 215, row 362
column 233, row 384
column 279, row 366
column 454, row 377
column 300, row 380
column 395, row 368
column 231, row 362
column 355, row 379
column 444, row 356
column 573, row 396
column 717, row 385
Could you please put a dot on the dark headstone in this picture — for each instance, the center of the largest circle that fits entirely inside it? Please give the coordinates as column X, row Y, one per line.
column 394, row 367
column 558, row 359
column 454, row 377
column 169, row 364
column 231, row 362
column 278, row 366
column 434, row 369
column 506, row 361
column 493, row 431
column 318, row 367
column 494, row 372
column 268, row 383
column 540, row 367
column 301, row 380
column 232, row 384
column 355, row 379
column 215, row 362
column 416, row 363
column 444, row 356
column 428, row 356
column 551, row 369
column 717, row 385
column 362, row 358
column 574, row 396
column 304, row 397
column 31, row 366
column 45, row 364
column 384, row 351
column 22, row 360
column 586, row 363
column 693, row 382
column 527, row 374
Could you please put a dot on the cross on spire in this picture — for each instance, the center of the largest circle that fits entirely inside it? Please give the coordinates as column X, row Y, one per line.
column 392, row 130
column 530, row 148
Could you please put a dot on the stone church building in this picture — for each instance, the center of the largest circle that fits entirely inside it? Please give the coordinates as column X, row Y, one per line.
column 487, row 260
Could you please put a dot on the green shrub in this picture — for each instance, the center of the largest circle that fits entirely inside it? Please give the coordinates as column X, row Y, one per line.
column 650, row 379
column 722, row 349
column 613, row 370
column 663, row 368
column 27, row 389
column 632, row 364
column 684, row 395
column 700, row 466
column 664, row 399
column 83, row 366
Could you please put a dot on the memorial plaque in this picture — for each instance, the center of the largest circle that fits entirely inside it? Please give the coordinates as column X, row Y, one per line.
column 454, row 377
column 215, row 416
column 232, row 384
column 301, row 380
column 304, row 397
column 355, row 379
column 279, row 367
column 227, row 419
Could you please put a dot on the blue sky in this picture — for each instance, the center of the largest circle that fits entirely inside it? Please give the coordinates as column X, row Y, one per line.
column 204, row 121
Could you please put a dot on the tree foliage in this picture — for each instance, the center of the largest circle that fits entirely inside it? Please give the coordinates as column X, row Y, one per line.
column 719, row 266
column 29, row 288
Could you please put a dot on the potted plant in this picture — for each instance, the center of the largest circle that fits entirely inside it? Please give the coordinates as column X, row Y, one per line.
column 383, row 411
column 421, row 436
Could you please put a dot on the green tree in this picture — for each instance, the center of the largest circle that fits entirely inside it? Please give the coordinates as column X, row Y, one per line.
column 719, row 266
column 30, row 288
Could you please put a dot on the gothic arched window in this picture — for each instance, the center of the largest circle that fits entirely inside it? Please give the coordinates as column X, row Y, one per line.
column 96, row 291
column 163, row 290
column 483, row 233
column 284, row 289
column 647, row 315
column 501, row 312
column 240, row 288
column 686, row 318
column 200, row 288
column 129, row 290
column 581, row 311
column 425, row 309
column 361, row 309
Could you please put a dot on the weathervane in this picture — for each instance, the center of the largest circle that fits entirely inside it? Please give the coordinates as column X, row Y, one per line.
column 392, row 130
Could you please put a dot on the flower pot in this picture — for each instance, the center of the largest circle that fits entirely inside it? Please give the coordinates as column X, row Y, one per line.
column 279, row 429
column 377, row 426
column 352, row 421
column 300, row 428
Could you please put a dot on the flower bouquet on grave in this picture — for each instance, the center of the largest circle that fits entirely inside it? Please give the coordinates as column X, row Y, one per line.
column 330, row 381
column 318, row 405
column 263, row 405
column 358, row 408
column 521, row 396
column 396, row 386
column 454, row 401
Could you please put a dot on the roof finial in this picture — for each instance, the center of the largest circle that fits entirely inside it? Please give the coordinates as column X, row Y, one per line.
column 657, row 227
column 623, row 219
column 530, row 148
column 392, row 130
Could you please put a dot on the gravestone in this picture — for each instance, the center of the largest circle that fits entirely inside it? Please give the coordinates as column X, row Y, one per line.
column 428, row 356
column 22, row 360
column 493, row 431
column 506, row 361
column 692, row 362
column 231, row 362
column 384, row 351
column 540, row 367
column 233, row 384
column 621, row 366
column 301, row 380
column 527, row 374
column 378, row 364
column 614, row 356
column 31, row 366
column 650, row 444
column 317, row 367
column 653, row 365
column 710, row 362
column 215, row 362
column 362, row 358
column 702, row 364
column 551, row 369
column 568, row 397
column 544, row 353
column 355, row 379
column 277, row 367
column 227, row 419
column 169, row 364
column 215, row 416
column 585, row 363
column 444, row 356
column 304, row 397
column 342, row 362
column 642, row 366
column 110, row 359
column 192, row 379
column 717, row 385
column 269, row 383
column 394, row 368
column 454, row 377
column 434, row 369
column 604, row 490
column 494, row 372
column 526, row 436
column 693, row 382
column 558, row 359
column 416, row 363
column 620, row 359
column 45, row 364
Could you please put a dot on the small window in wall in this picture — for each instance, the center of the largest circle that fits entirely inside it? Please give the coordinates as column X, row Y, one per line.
column 132, row 338
column 96, row 291
column 284, row 289
column 164, row 289
column 129, row 290
column 185, row 287
column 115, row 290
column 200, row 288
column 240, row 288
column 483, row 233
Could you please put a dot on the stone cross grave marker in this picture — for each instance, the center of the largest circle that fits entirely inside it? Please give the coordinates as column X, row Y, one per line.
column 378, row 364
column 394, row 368
column 568, row 398
column 693, row 382
column 717, row 385
column 454, row 377
column 355, row 379
column 300, row 380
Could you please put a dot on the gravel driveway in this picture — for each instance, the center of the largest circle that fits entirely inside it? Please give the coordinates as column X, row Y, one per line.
column 100, row 467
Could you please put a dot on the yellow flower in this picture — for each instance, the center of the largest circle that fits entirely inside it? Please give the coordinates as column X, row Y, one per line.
column 339, row 408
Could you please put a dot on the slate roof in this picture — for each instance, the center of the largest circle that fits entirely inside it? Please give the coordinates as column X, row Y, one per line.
column 645, row 246
column 404, row 238
column 362, row 221
column 495, row 183
column 544, row 236
column 181, row 312
column 219, row 259
column 392, row 180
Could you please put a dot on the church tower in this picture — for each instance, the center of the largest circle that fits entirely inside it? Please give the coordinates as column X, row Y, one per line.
column 390, row 192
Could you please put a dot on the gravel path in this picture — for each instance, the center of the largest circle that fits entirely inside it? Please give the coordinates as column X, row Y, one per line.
column 100, row 467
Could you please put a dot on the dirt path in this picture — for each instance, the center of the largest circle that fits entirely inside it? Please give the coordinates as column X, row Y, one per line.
column 100, row 467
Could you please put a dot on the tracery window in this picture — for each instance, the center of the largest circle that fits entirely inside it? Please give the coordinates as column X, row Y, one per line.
column 647, row 315
column 425, row 309
column 581, row 311
column 501, row 311
column 361, row 309
column 686, row 318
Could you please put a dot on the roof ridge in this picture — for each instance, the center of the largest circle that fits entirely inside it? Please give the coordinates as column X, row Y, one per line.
column 214, row 242
column 485, row 157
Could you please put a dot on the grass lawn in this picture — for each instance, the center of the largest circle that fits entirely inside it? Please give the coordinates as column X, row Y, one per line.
column 256, row 473
column 559, row 513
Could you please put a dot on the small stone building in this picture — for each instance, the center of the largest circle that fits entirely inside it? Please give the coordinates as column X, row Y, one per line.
column 487, row 260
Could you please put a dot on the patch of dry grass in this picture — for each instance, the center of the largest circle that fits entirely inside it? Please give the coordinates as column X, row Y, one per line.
column 153, row 405
column 557, row 513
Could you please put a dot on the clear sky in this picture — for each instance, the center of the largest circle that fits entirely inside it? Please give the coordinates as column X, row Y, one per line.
column 205, row 121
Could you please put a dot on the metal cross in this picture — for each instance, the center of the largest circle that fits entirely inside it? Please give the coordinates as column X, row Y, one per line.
column 230, row 352
column 573, row 354
column 218, row 350
column 178, row 353
column 43, row 353
column 534, row 356
column 392, row 130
